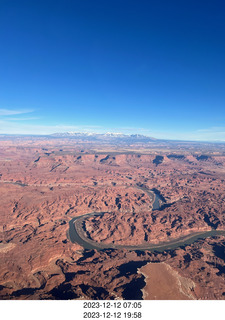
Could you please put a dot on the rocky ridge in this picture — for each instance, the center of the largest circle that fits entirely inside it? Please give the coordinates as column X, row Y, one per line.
column 44, row 184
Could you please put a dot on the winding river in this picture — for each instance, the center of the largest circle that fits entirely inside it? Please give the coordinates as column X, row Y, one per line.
column 76, row 232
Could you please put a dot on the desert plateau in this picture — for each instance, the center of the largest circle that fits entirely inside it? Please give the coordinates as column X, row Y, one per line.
column 111, row 217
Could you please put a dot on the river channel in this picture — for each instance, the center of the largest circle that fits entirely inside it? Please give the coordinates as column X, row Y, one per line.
column 76, row 232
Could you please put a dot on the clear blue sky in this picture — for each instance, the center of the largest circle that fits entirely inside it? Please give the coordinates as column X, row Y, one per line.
column 148, row 67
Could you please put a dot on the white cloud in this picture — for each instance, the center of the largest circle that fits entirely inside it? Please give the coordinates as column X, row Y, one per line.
column 8, row 127
column 209, row 134
column 213, row 129
column 23, row 118
column 10, row 112
column 213, row 133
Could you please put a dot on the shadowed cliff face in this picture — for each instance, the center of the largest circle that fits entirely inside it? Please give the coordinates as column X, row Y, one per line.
column 45, row 184
column 113, row 274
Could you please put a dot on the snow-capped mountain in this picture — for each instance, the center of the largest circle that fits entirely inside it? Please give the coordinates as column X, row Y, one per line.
column 108, row 136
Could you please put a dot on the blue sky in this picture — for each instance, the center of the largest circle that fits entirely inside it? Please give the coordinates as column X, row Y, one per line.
column 150, row 67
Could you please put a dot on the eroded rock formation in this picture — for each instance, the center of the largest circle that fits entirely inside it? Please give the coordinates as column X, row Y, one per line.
column 44, row 184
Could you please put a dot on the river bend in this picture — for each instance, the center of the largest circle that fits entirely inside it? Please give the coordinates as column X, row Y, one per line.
column 76, row 232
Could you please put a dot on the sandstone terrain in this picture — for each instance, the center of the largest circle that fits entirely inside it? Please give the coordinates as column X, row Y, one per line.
column 45, row 182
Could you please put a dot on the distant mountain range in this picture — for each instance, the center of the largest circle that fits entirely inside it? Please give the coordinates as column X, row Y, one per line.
column 109, row 136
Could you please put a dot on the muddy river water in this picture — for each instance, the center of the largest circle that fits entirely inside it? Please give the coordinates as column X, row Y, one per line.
column 76, row 232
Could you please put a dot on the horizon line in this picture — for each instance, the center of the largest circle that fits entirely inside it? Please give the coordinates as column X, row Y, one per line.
column 128, row 135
